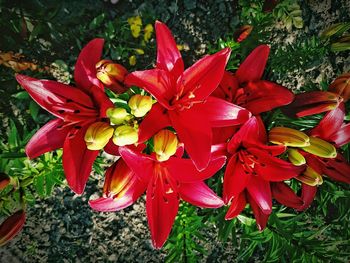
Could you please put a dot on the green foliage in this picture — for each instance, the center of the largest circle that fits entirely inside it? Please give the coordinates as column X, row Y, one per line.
column 301, row 55
column 183, row 245
column 289, row 13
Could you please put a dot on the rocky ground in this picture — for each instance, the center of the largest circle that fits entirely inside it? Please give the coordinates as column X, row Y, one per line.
column 63, row 228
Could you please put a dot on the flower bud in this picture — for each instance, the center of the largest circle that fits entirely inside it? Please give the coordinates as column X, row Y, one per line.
column 111, row 74
column 341, row 86
column 148, row 30
column 140, row 105
column 4, row 181
column 165, row 145
column 320, row 148
column 295, row 157
column 118, row 116
column 310, row 177
column 11, row 226
column 243, row 32
column 132, row 60
column 118, row 178
column 98, row 135
column 125, row 135
column 288, row 137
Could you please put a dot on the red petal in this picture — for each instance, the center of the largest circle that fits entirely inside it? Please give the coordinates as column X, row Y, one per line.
column 184, row 170
column 102, row 100
column 48, row 93
column 111, row 148
column 260, row 216
column 262, row 96
column 85, row 68
column 236, row 207
column 140, row 164
column 155, row 81
column 307, row 195
column 77, row 161
column 168, row 55
column 337, row 168
column 260, row 191
column 222, row 113
column 195, row 132
column 161, row 208
column 223, row 134
column 227, row 87
column 313, row 102
column 47, row 139
column 154, row 121
column 341, row 136
column 330, row 123
column 248, row 134
column 274, row 169
column 199, row 194
column 110, row 204
column 285, row 195
column 203, row 77
column 236, row 179
column 253, row 66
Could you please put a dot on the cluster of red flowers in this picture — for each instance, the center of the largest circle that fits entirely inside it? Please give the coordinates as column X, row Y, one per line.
column 203, row 118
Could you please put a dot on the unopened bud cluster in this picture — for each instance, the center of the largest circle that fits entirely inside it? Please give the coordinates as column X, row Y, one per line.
column 300, row 144
column 122, row 127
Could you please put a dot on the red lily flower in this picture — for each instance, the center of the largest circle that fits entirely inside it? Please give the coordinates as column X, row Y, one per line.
column 332, row 128
column 75, row 108
column 167, row 182
column 253, row 165
column 183, row 97
column 246, row 88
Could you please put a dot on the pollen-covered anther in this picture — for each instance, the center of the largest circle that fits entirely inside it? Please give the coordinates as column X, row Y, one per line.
column 165, row 144
column 321, row 148
column 118, row 116
column 288, row 137
column 125, row 135
column 98, row 135
column 140, row 105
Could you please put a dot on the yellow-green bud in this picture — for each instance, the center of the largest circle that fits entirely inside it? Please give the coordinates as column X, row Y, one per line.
column 165, row 144
column 125, row 135
column 140, row 105
column 118, row 116
column 98, row 135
